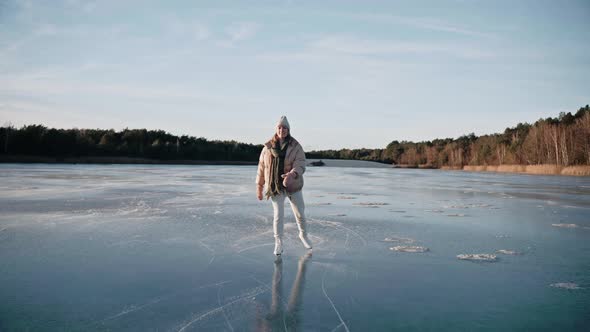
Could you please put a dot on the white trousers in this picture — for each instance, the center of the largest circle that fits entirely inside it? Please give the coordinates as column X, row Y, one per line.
column 298, row 207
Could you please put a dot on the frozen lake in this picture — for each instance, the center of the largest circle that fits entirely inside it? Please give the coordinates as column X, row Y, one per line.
column 189, row 248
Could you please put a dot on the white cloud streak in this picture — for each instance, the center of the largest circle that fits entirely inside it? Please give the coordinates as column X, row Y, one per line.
column 194, row 30
column 331, row 49
column 47, row 86
column 238, row 32
column 85, row 6
column 201, row 32
column 421, row 23
column 357, row 46
column 242, row 30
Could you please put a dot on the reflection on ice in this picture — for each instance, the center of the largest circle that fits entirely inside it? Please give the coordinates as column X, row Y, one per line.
column 278, row 318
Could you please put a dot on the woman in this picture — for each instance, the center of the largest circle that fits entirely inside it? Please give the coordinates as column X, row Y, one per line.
column 281, row 167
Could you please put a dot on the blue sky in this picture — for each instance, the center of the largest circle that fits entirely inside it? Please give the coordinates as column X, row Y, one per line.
column 348, row 74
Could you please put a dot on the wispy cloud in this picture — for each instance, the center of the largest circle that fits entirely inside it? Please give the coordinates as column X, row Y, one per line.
column 25, row 4
column 238, row 32
column 54, row 82
column 330, row 48
column 86, row 6
column 242, row 31
column 194, row 30
column 443, row 26
column 424, row 23
column 45, row 30
column 20, row 112
column 201, row 32
column 36, row 32
column 358, row 46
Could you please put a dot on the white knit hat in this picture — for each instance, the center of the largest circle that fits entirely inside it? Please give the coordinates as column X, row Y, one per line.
column 283, row 121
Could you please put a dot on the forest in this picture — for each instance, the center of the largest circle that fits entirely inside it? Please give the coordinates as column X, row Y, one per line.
column 564, row 140
column 38, row 140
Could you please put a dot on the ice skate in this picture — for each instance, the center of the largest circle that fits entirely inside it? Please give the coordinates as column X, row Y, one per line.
column 305, row 240
column 278, row 247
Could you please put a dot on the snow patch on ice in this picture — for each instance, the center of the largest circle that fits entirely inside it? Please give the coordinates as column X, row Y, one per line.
column 478, row 257
column 409, row 249
column 455, row 207
column 140, row 208
column 128, row 243
column 481, row 205
column 371, row 204
column 399, row 239
column 508, row 252
column 566, row 285
column 565, row 225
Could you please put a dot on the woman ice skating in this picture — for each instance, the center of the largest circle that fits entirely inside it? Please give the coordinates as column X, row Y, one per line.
column 281, row 167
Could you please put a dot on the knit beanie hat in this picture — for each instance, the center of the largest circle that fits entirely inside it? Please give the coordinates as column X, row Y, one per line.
column 283, row 122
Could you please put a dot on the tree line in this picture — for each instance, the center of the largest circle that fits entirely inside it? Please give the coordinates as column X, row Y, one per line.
column 38, row 140
column 564, row 140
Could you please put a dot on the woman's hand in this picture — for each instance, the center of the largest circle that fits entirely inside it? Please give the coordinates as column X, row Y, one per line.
column 259, row 192
column 288, row 178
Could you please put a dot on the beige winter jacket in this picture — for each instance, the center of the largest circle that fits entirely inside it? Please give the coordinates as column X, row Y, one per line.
column 294, row 160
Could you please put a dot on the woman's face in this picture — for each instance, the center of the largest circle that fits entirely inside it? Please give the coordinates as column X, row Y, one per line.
column 282, row 132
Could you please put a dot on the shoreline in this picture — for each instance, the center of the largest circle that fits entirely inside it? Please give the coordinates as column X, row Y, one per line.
column 543, row 169
column 116, row 160
column 348, row 163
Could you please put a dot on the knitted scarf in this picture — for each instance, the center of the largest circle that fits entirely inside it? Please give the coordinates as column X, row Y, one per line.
column 278, row 151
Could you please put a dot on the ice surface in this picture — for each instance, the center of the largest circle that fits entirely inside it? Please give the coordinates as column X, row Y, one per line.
column 189, row 248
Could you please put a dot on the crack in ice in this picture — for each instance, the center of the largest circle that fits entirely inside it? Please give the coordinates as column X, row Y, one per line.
column 332, row 303
column 222, row 310
column 218, row 309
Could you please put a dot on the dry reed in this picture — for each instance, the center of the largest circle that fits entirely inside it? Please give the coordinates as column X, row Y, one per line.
column 582, row 170
column 545, row 169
